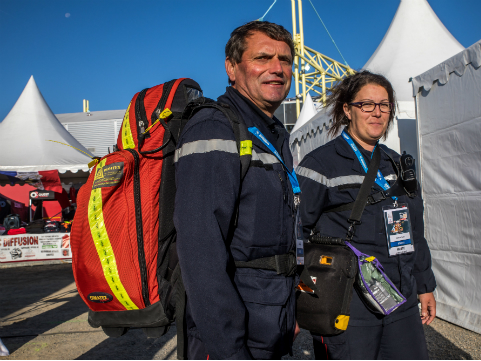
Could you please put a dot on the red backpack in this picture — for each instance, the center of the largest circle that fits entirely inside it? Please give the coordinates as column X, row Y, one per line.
column 124, row 255
column 123, row 243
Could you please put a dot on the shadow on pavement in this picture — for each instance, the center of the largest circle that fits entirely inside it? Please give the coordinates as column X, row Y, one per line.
column 16, row 335
column 440, row 348
column 134, row 346
column 31, row 303
column 23, row 286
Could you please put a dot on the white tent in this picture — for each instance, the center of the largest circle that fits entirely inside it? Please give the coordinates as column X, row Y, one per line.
column 26, row 132
column 415, row 42
column 309, row 136
column 449, row 128
column 307, row 112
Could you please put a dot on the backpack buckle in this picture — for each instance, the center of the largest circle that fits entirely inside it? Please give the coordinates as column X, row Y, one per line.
column 376, row 197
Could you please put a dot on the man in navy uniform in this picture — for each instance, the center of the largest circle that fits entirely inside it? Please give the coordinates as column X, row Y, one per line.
column 234, row 312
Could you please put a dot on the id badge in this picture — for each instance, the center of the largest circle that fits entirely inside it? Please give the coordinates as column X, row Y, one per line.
column 299, row 236
column 398, row 229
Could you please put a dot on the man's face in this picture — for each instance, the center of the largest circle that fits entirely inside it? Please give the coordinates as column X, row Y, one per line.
column 264, row 73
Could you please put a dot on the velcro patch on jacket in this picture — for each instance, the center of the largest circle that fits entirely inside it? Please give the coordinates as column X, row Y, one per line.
column 108, row 175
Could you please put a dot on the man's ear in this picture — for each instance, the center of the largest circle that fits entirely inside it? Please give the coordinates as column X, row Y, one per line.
column 230, row 70
column 347, row 110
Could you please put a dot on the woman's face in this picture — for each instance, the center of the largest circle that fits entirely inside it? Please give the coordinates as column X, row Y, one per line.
column 367, row 128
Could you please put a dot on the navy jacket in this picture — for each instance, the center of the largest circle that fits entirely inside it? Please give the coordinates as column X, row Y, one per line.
column 330, row 176
column 236, row 313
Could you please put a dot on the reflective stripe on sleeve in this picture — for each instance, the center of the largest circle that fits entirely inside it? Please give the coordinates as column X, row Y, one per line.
column 265, row 158
column 337, row 181
column 329, row 182
column 229, row 146
column 205, row 146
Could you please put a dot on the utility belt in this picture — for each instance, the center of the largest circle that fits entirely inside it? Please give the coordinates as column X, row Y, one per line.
column 283, row 264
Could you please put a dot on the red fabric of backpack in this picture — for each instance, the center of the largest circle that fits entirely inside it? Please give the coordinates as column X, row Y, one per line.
column 123, row 238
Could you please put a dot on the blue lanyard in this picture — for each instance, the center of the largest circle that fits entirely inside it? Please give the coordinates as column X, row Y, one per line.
column 291, row 174
column 380, row 180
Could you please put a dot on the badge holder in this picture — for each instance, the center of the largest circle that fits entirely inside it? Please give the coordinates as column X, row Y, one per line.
column 398, row 229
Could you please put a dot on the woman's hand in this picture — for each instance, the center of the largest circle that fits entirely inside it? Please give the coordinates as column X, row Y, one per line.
column 428, row 307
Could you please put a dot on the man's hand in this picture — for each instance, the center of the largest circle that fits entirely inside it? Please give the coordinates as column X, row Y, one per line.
column 428, row 307
column 297, row 330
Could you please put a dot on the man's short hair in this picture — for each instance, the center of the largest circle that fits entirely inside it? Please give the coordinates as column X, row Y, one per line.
column 236, row 45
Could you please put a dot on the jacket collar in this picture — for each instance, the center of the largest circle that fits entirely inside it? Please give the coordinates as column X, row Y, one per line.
column 252, row 111
column 345, row 150
column 253, row 116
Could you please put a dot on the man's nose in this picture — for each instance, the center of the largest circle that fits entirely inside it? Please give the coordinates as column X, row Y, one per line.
column 276, row 66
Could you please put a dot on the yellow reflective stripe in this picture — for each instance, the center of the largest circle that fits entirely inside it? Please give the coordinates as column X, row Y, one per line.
column 341, row 322
column 127, row 138
column 103, row 246
column 370, row 259
column 245, row 147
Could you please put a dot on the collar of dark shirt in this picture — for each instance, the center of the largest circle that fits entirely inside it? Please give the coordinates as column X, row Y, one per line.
column 270, row 122
column 273, row 124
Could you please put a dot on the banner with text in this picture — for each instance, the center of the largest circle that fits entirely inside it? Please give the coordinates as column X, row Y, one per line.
column 35, row 247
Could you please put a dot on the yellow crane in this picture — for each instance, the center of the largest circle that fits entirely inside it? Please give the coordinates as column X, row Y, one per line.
column 312, row 70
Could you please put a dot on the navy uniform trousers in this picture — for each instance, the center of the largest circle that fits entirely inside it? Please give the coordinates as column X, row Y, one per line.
column 399, row 340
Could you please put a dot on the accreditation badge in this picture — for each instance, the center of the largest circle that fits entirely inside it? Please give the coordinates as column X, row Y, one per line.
column 298, row 232
column 398, row 229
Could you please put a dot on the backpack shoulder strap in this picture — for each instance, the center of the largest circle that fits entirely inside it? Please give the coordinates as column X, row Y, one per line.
column 241, row 134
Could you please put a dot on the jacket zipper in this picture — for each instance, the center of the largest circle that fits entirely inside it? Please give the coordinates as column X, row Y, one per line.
column 140, row 229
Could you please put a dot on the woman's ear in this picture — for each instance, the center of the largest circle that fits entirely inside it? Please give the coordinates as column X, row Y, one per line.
column 347, row 110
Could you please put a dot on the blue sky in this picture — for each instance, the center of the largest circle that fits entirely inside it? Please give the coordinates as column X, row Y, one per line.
column 107, row 50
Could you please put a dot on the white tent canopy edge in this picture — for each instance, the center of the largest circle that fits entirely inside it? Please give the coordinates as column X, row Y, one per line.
column 449, row 125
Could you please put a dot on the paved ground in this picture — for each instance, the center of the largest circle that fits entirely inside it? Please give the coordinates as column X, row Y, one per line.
column 43, row 317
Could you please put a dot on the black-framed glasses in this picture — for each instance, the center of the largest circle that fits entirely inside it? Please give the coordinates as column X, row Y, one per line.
column 369, row 107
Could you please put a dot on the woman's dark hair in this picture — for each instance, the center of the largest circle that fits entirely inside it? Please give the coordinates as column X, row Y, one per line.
column 236, row 45
column 346, row 91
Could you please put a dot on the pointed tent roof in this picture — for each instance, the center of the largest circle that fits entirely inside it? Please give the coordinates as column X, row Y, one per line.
column 415, row 42
column 307, row 112
column 25, row 134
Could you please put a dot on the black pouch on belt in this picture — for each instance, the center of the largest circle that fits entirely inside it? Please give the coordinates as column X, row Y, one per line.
column 330, row 267
column 325, row 291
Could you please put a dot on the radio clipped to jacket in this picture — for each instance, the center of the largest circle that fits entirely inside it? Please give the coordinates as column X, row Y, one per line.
column 408, row 173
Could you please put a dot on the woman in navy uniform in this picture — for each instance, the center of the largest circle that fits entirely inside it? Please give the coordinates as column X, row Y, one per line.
column 330, row 176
